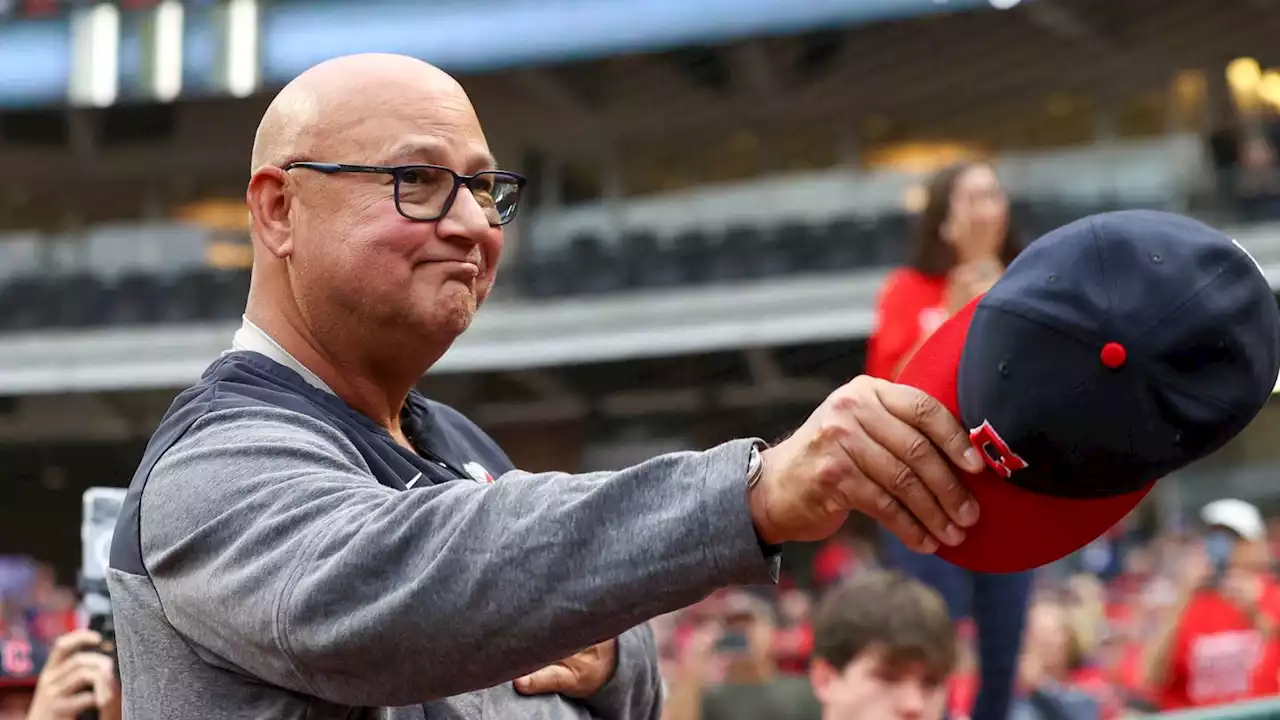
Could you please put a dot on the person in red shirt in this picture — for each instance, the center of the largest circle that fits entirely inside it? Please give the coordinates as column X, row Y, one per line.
column 793, row 638
column 1218, row 642
column 963, row 242
column 962, row 686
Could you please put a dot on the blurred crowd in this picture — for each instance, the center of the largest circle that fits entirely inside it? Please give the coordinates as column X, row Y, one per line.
column 1132, row 623
column 1247, row 165
column 1129, row 625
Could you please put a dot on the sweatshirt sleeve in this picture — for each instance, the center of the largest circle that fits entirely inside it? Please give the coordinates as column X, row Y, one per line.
column 635, row 691
column 272, row 548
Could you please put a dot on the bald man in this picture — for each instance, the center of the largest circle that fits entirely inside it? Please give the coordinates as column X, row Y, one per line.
column 307, row 536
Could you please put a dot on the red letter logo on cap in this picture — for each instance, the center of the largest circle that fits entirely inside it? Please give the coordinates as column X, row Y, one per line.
column 995, row 452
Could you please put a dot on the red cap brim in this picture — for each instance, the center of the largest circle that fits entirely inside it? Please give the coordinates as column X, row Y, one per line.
column 1017, row 529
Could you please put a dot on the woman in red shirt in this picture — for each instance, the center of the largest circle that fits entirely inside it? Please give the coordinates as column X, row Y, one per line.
column 963, row 243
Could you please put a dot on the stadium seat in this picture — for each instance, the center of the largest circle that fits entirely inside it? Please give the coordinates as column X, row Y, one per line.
column 173, row 297
column 798, row 247
column 26, row 303
column 596, row 267
column 543, row 275
column 732, row 254
column 848, row 243
column 648, row 263
column 893, row 239
column 692, row 256
column 751, row 246
column 232, row 290
column 78, row 301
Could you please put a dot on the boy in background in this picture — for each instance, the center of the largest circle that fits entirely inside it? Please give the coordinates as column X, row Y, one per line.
column 884, row 648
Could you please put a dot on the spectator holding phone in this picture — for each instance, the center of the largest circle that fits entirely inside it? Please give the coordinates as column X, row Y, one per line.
column 752, row 687
column 76, row 678
column 1217, row 642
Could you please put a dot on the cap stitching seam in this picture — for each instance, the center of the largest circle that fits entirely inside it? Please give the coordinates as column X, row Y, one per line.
column 1187, row 300
column 1159, row 369
column 1109, row 314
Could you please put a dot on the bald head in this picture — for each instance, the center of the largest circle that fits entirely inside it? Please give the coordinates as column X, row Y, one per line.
column 339, row 265
column 319, row 112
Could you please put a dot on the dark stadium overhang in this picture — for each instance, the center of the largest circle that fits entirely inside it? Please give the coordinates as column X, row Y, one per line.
column 462, row 37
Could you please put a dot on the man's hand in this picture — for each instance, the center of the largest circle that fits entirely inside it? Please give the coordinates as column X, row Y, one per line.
column 578, row 676
column 76, row 678
column 873, row 447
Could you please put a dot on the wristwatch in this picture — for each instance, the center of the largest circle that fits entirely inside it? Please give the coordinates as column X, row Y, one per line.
column 755, row 469
column 755, row 464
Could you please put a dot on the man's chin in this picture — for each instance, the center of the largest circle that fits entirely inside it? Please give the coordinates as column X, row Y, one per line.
column 452, row 314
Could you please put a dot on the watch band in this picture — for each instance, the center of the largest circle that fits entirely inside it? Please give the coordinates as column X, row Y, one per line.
column 755, row 464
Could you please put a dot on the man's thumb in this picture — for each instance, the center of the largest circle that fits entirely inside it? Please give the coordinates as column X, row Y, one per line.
column 550, row 679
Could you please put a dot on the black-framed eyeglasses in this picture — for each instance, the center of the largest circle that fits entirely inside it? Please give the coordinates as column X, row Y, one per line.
column 427, row 192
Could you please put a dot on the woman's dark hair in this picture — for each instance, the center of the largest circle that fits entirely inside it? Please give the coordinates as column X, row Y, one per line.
column 931, row 254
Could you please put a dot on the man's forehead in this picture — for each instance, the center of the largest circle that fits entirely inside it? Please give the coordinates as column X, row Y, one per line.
column 441, row 148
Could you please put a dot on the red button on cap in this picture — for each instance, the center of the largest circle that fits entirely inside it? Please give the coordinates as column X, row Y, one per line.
column 1113, row 355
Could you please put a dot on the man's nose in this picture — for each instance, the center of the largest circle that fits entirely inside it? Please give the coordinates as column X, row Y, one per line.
column 466, row 221
column 910, row 699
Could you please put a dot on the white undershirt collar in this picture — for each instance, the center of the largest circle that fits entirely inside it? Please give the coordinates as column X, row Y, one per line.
column 252, row 338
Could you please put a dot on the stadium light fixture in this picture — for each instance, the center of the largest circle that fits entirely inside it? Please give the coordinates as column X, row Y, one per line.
column 1004, row 4
column 242, row 47
column 1244, row 74
column 168, row 27
column 95, row 55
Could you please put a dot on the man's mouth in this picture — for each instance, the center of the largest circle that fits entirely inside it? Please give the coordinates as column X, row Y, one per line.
column 459, row 269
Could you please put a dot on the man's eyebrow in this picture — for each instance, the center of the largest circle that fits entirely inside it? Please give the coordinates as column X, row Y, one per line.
column 433, row 149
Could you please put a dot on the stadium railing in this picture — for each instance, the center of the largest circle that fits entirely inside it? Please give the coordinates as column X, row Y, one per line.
column 1252, row 710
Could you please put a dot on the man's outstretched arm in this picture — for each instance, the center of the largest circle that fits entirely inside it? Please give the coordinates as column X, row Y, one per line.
column 271, row 547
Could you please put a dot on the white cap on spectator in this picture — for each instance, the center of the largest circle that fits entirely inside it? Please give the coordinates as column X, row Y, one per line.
column 1236, row 515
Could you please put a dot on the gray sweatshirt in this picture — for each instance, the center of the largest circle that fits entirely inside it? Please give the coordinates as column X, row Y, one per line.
column 280, row 556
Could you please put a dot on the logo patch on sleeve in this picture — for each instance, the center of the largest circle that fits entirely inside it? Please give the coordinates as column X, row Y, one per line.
column 478, row 473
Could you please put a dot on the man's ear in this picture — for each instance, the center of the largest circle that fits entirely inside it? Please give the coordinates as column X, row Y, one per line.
column 821, row 675
column 270, row 198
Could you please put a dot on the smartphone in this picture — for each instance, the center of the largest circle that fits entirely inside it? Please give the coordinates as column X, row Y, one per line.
column 1220, row 545
column 732, row 642
column 99, row 509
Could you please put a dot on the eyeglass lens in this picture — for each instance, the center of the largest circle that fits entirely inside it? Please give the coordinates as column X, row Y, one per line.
column 423, row 192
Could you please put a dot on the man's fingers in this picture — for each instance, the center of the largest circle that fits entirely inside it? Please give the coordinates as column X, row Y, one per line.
column 922, row 412
column 71, row 643
column 939, row 427
column 550, row 679
column 920, row 476
column 83, row 677
column 75, row 665
column 105, row 688
column 886, row 510
column 880, row 464
column 73, row 705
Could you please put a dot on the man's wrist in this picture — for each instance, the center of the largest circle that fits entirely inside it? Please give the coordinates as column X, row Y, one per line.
column 755, row 497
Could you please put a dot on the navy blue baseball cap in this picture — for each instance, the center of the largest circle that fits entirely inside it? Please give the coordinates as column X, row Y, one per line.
column 1112, row 352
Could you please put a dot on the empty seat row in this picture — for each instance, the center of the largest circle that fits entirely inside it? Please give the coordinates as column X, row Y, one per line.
column 591, row 265
column 585, row 265
column 80, row 301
